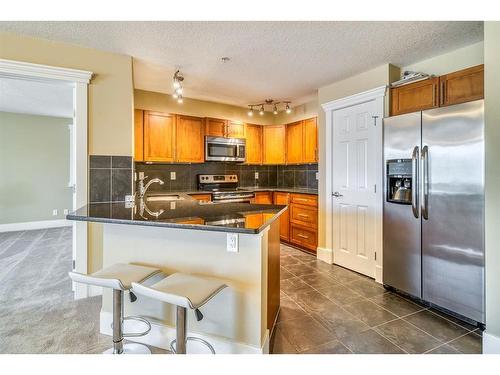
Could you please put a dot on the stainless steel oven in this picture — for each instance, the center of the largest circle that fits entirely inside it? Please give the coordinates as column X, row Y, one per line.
column 224, row 149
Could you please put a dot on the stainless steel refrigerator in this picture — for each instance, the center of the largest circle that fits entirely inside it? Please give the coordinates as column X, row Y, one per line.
column 434, row 207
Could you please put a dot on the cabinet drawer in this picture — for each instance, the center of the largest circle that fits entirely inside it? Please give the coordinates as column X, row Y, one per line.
column 306, row 199
column 202, row 197
column 304, row 215
column 302, row 236
column 263, row 197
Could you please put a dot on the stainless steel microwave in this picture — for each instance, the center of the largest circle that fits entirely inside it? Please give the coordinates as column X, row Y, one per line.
column 224, row 149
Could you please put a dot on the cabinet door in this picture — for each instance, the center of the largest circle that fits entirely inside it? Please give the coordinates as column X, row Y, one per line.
column 253, row 144
column 462, row 86
column 274, row 144
column 294, row 145
column 190, row 142
column 311, row 140
column 215, row 127
column 283, row 199
column 415, row 97
column 138, row 135
column 263, row 197
column 202, row 197
column 159, row 136
column 235, row 130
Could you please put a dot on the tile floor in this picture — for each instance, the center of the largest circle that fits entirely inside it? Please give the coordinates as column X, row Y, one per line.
column 329, row 309
column 324, row 308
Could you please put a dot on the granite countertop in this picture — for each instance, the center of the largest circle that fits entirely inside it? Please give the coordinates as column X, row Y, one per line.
column 255, row 189
column 187, row 213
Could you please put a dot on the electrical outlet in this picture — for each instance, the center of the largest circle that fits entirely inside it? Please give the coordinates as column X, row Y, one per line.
column 232, row 242
column 317, row 175
column 141, row 175
column 172, row 205
column 66, row 211
column 256, row 175
column 172, row 175
column 54, row 212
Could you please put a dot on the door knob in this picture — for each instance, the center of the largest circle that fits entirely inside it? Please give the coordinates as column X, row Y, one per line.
column 337, row 194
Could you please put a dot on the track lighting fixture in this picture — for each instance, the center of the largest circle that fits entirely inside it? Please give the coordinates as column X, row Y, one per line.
column 177, row 84
column 269, row 102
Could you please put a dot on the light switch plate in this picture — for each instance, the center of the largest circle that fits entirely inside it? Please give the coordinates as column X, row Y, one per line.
column 141, row 175
column 172, row 175
column 54, row 212
column 172, row 205
column 256, row 175
column 232, row 242
column 66, row 211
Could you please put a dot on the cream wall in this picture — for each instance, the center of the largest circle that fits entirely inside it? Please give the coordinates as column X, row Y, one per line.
column 300, row 112
column 110, row 91
column 373, row 78
column 492, row 180
column 451, row 61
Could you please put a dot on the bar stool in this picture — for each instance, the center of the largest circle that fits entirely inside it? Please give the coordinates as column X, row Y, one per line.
column 185, row 291
column 119, row 277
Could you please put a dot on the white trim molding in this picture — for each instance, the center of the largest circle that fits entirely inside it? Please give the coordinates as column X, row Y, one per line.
column 377, row 95
column 161, row 335
column 491, row 343
column 32, row 225
column 79, row 79
column 20, row 69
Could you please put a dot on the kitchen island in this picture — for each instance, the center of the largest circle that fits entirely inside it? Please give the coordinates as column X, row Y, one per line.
column 179, row 234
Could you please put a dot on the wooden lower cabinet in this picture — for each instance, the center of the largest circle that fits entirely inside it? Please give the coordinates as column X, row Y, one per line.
column 304, row 215
column 263, row 197
column 283, row 199
column 202, row 197
column 304, row 236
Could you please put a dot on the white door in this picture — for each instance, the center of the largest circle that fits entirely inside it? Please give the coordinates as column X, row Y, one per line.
column 353, row 187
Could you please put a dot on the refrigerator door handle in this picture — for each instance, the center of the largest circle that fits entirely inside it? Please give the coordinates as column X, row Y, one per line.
column 425, row 182
column 415, row 181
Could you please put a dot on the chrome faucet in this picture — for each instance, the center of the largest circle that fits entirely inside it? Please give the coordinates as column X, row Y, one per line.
column 143, row 188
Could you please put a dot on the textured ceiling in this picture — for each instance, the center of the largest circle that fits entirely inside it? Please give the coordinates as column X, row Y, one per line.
column 36, row 98
column 280, row 60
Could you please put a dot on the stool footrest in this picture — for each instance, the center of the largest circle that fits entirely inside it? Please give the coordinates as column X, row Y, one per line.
column 137, row 319
column 197, row 339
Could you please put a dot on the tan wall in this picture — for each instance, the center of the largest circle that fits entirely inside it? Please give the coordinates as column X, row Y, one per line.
column 155, row 101
column 451, row 61
column 373, row 78
column 300, row 112
column 492, row 149
column 110, row 92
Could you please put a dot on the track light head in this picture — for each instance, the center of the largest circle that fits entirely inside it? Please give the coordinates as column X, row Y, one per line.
column 288, row 110
column 275, row 109
column 250, row 111
column 261, row 112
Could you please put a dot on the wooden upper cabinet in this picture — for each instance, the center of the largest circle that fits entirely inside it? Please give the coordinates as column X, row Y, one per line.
column 274, row 139
column 138, row 135
column 311, row 140
column 253, row 144
column 235, row 130
column 215, row 127
column 159, row 136
column 294, row 142
column 415, row 96
column 189, row 139
column 462, row 86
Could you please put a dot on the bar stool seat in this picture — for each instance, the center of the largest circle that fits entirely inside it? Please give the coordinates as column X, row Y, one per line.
column 185, row 291
column 120, row 277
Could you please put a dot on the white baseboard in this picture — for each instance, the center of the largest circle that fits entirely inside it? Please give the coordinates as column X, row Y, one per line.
column 491, row 343
column 324, row 254
column 379, row 274
column 31, row 225
column 161, row 335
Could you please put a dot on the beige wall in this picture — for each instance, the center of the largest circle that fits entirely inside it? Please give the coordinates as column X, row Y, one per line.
column 155, row 101
column 373, row 78
column 451, row 61
column 492, row 149
column 110, row 92
column 34, row 165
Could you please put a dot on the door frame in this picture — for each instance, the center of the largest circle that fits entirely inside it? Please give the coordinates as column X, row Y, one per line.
column 377, row 95
column 80, row 80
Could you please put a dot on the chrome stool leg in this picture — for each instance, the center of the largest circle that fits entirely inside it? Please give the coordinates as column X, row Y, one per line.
column 178, row 346
column 117, row 326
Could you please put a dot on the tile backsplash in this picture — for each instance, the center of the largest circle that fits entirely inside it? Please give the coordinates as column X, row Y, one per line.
column 110, row 178
column 290, row 176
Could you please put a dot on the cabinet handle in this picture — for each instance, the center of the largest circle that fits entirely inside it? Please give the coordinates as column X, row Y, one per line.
column 302, row 236
column 303, row 215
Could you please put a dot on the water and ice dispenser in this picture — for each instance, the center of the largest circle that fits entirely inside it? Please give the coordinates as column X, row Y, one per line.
column 399, row 181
